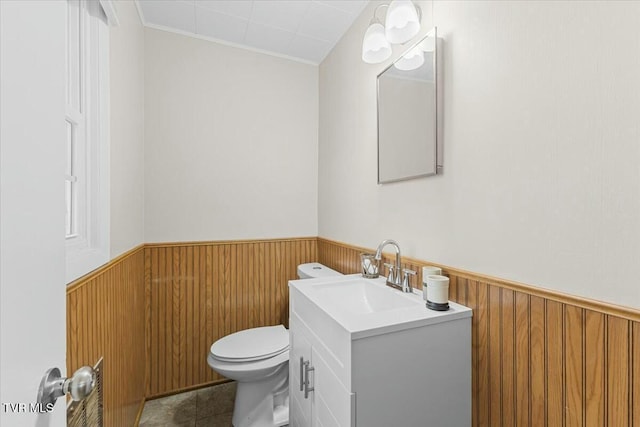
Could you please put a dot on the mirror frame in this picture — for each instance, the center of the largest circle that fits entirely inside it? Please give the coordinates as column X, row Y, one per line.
column 437, row 167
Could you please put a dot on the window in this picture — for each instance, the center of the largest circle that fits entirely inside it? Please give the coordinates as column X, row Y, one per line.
column 86, row 175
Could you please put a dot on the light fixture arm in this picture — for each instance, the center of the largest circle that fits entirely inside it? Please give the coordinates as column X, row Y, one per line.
column 375, row 19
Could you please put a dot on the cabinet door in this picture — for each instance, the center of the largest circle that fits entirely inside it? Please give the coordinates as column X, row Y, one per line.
column 333, row 405
column 329, row 403
column 299, row 352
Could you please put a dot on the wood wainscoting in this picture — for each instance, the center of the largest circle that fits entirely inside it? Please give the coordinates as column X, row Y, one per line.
column 539, row 358
column 105, row 318
column 199, row 292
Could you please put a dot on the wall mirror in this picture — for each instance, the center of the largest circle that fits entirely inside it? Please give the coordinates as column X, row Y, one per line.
column 407, row 114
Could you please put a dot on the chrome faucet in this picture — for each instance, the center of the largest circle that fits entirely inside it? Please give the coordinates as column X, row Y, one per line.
column 395, row 274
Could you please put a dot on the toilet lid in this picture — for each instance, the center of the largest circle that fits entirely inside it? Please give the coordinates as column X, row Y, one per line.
column 252, row 344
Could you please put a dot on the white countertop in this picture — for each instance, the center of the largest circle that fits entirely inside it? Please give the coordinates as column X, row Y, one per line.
column 368, row 307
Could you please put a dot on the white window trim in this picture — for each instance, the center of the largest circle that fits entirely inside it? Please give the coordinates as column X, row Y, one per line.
column 84, row 255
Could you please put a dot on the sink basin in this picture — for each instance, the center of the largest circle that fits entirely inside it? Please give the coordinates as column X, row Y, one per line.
column 361, row 297
column 366, row 307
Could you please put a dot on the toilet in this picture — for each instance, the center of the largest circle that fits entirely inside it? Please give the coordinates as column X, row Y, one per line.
column 258, row 360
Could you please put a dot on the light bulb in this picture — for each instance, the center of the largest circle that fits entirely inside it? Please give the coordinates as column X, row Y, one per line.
column 402, row 22
column 375, row 47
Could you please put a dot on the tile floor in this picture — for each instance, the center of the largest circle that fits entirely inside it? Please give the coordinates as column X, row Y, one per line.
column 206, row 407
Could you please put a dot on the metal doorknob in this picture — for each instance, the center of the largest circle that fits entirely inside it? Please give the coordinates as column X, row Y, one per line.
column 53, row 385
column 81, row 383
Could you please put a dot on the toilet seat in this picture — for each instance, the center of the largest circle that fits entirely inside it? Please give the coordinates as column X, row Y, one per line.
column 241, row 371
column 251, row 345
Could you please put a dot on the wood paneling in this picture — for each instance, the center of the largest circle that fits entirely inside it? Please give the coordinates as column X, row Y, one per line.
column 537, row 362
column 507, row 353
column 105, row 318
column 495, row 359
column 472, row 302
column 594, row 368
column 554, row 367
column 635, row 398
column 618, row 371
column 522, row 359
column 574, row 363
column 482, row 398
column 200, row 292
column 539, row 358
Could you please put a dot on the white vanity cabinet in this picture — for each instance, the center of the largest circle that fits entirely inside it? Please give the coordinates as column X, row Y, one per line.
column 408, row 367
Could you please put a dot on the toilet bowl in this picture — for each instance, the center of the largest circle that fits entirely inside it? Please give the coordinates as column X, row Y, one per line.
column 258, row 360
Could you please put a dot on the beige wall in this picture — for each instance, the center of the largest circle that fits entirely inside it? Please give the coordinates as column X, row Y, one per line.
column 230, row 142
column 541, row 178
column 127, row 130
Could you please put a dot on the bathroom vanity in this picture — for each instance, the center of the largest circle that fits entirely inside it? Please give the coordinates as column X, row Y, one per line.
column 364, row 354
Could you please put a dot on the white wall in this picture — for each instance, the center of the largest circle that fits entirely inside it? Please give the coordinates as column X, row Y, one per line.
column 127, row 130
column 541, row 176
column 230, row 142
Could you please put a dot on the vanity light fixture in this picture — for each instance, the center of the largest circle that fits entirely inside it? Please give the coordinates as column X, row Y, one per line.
column 375, row 46
column 402, row 23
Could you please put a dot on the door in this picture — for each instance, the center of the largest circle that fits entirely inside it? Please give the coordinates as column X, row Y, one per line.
column 32, row 208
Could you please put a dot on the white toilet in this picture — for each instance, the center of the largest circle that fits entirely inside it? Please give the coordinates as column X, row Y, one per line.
column 258, row 359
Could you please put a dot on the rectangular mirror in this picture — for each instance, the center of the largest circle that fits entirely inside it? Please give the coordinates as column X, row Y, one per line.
column 407, row 114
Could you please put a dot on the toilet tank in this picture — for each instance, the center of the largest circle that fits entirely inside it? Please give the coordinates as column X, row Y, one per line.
column 313, row 270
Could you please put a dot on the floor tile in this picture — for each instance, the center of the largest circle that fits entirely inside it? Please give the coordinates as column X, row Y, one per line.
column 178, row 410
column 215, row 400
column 190, row 423
column 223, row 420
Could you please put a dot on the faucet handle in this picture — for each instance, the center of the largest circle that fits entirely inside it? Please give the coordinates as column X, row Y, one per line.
column 391, row 267
column 406, row 282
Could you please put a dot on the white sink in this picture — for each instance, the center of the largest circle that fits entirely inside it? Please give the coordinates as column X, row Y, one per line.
column 367, row 307
column 360, row 297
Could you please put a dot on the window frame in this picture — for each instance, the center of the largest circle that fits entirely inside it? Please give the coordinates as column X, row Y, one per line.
column 87, row 248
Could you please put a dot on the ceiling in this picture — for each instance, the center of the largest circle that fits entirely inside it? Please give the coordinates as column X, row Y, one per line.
column 305, row 30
